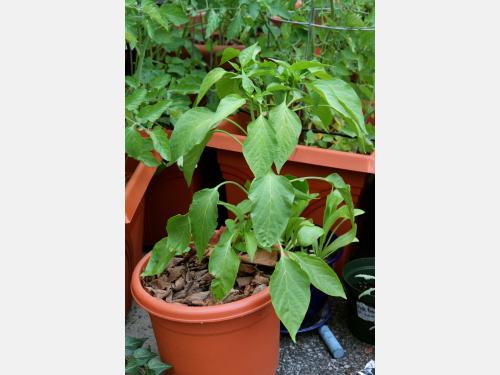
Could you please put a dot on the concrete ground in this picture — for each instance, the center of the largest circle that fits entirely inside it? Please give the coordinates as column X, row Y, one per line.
column 309, row 356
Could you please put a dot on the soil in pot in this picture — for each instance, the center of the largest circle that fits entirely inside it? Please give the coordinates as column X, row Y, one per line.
column 187, row 281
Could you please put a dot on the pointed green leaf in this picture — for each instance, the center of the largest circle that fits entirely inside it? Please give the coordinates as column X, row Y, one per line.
column 190, row 130
column 227, row 85
column 344, row 189
column 272, row 197
column 133, row 343
column 132, row 366
column 287, row 127
column 143, row 355
column 139, row 148
column 259, row 146
column 161, row 81
column 227, row 106
column 248, row 54
column 235, row 26
column 213, row 21
column 203, row 216
column 160, row 142
column 212, row 76
column 228, row 54
column 223, row 265
column 320, row 274
column 160, row 258
column 341, row 241
column 250, row 244
column 179, row 231
column 304, row 64
column 290, row 294
column 151, row 113
column 134, row 100
column 153, row 11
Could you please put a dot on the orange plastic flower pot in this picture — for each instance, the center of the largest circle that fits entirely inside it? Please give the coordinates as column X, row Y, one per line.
column 240, row 337
column 139, row 177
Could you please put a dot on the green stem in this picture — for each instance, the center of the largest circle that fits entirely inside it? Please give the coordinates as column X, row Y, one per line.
column 232, row 183
column 237, row 125
column 229, row 134
column 252, row 110
column 142, row 55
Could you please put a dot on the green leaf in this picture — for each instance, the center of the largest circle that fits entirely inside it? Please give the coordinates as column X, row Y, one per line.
column 191, row 159
column 134, row 100
column 153, row 11
column 143, row 355
column 287, row 127
column 290, row 294
column 304, row 64
column 132, row 82
column 250, row 244
column 228, row 54
column 247, row 83
column 248, row 54
column 320, row 274
column 132, row 366
column 190, row 130
column 174, row 13
column 132, row 343
column 210, row 79
column 203, row 216
column 223, row 265
column 259, row 146
column 179, row 231
column 341, row 241
column 161, row 255
column 151, row 113
column 161, row 81
column 213, row 21
column 235, row 26
column 139, row 148
column 309, row 234
column 227, row 106
column 344, row 189
column 272, row 198
column 157, row 366
column 227, row 86
column 160, row 142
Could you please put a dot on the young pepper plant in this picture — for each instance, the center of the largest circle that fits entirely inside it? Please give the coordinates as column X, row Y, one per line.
column 260, row 222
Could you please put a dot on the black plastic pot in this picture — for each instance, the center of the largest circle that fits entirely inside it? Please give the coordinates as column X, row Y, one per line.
column 360, row 311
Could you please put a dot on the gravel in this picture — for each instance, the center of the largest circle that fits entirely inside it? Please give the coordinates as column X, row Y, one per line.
column 309, row 356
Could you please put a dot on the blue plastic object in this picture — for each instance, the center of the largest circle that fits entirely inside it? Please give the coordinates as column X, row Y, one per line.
column 331, row 342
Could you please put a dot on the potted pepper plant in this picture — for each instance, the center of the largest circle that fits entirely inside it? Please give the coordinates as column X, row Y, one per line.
column 232, row 286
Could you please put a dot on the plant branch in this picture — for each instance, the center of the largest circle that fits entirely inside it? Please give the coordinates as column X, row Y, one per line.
column 232, row 183
column 229, row 134
column 237, row 125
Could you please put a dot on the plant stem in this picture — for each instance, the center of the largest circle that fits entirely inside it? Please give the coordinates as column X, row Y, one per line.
column 229, row 134
column 232, row 183
column 237, row 125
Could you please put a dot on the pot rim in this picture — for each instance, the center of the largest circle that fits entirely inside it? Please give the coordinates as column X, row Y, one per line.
column 194, row 314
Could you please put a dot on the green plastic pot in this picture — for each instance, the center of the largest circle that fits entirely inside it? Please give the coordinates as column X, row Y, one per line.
column 360, row 311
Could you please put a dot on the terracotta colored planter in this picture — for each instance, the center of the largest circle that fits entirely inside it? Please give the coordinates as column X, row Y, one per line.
column 138, row 177
column 305, row 161
column 168, row 194
column 240, row 337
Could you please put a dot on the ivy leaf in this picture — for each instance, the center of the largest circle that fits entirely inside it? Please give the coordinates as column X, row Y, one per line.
column 213, row 21
column 134, row 100
column 290, row 294
column 287, row 127
column 160, row 142
column 174, row 13
column 156, row 366
column 272, row 198
column 248, row 54
column 143, row 355
column 223, row 265
column 151, row 113
column 212, row 76
column 320, row 274
column 259, row 146
column 203, row 217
